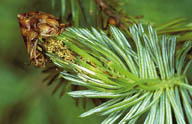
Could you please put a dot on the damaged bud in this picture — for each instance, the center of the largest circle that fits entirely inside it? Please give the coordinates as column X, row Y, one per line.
column 36, row 25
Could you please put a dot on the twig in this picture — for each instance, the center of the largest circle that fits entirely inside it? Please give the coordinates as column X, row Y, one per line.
column 107, row 10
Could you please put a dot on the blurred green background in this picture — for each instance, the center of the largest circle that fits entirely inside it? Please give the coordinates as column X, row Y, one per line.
column 24, row 99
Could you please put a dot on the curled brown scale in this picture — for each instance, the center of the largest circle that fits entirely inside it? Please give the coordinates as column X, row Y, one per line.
column 35, row 25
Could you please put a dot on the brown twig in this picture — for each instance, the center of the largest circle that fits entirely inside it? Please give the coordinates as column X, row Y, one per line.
column 107, row 10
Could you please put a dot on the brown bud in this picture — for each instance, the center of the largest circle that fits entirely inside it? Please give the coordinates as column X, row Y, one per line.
column 34, row 25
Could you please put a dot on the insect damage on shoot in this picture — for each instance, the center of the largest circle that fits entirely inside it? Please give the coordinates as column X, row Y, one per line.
column 36, row 25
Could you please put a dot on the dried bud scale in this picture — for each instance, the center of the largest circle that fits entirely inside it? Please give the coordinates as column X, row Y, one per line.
column 36, row 25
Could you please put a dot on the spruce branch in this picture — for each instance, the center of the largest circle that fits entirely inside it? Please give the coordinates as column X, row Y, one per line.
column 148, row 78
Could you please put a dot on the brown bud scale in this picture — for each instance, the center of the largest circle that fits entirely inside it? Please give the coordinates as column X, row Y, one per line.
column 35, row 25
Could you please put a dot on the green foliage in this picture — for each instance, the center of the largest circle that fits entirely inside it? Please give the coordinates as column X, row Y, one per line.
column 77, row 12
column 148, row 77
column 19, row 81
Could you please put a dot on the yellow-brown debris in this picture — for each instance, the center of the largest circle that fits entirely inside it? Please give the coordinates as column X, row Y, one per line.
column 58, row 47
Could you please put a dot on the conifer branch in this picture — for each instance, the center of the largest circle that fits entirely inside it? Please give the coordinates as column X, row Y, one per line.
column 146, row 80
